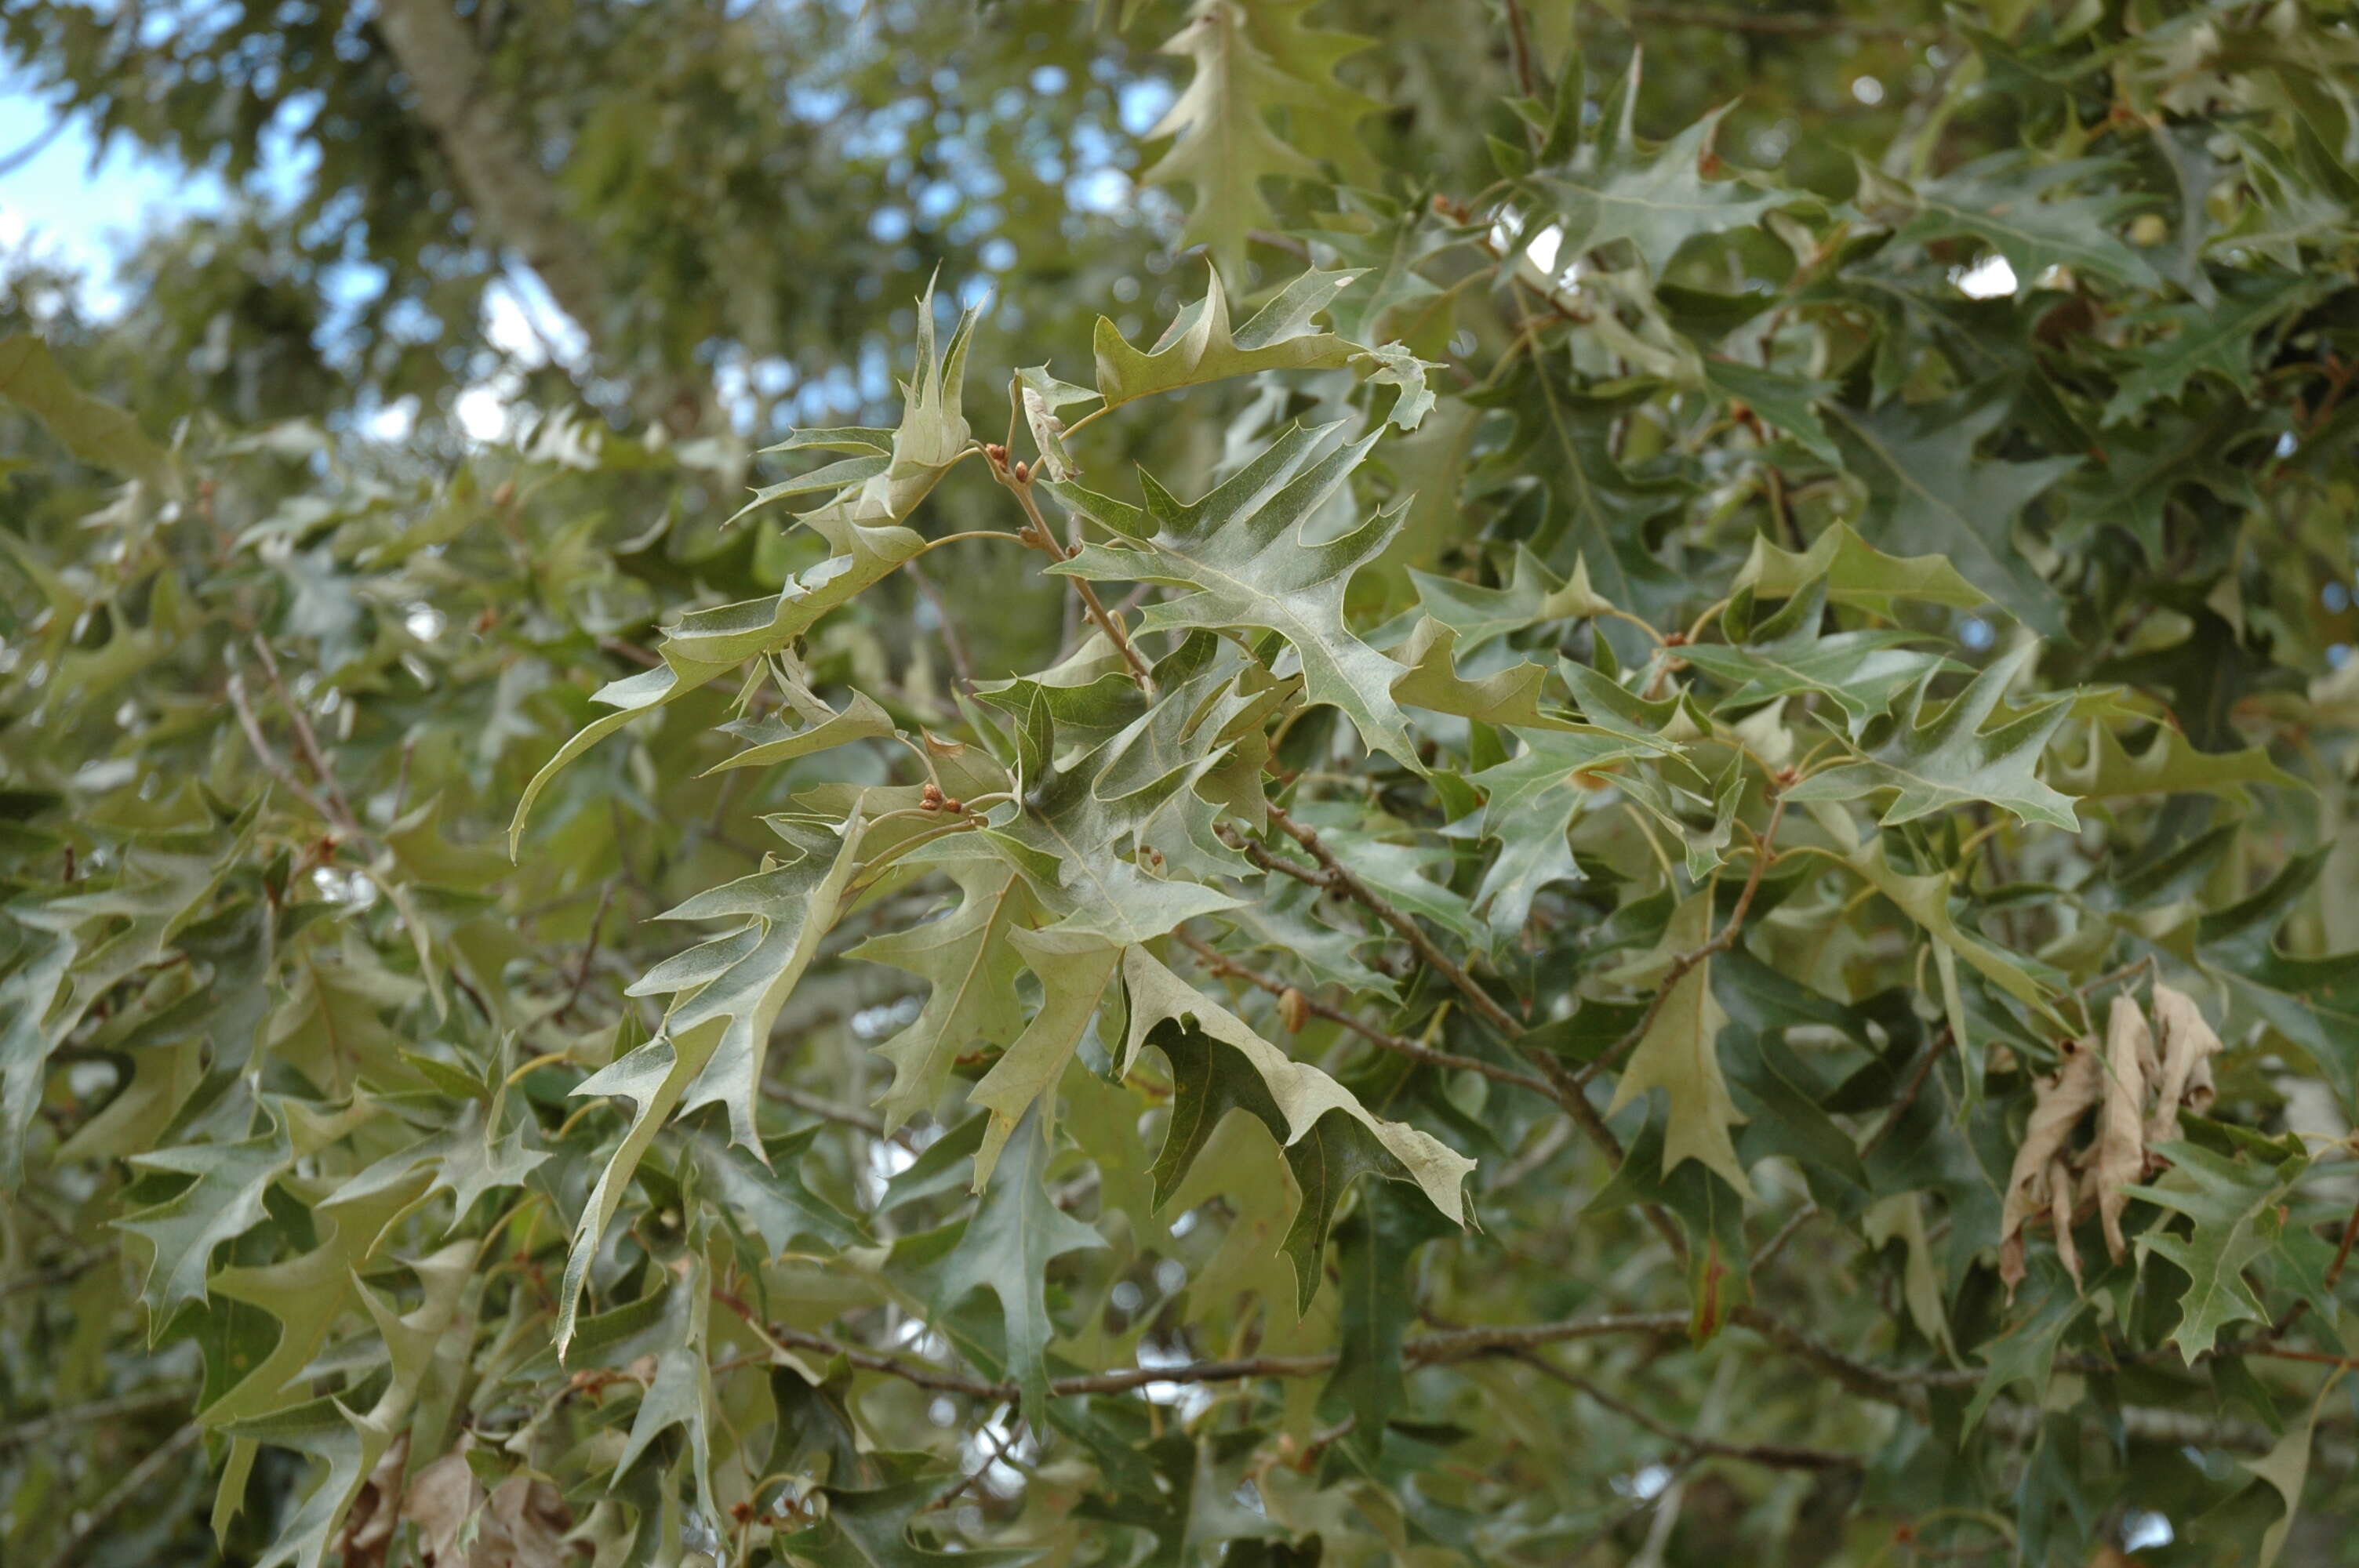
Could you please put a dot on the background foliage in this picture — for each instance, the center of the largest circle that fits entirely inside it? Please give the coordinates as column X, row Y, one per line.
column 1621, row 837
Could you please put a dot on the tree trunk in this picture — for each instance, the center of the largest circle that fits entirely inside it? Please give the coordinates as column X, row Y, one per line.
column 512, row 196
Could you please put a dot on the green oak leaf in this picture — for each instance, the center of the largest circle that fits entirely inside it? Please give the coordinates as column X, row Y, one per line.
column 1195, row 1503
column 347, row 1445
column 862, row 528
column 1859, row 672
column 2025, row 1352
column 2312, row 1001
column 1855, row 573
column 741, row 980
column 1928, row 493
column 1200, row 345
column 1614, row 188
column 1376, row 1250
column 1531, row 801
column 1788, row 402
column 868, row 1527
column 1006, row 1249
column 308, row 1292
column 1041, row 395
column 1248, row 61
column 1430, row 680
column 2231, row 338
column 2169, row 765
column 772, row 1197
column 1944, row 760
column 1240, row 556
column 2234, row 1218
column 1330, row 1139
column 1073, row 969
column 98, row 433
column 817, row 726
column 973, row 966
column 1084, row 825
column 223, row 1201
column 1596, row 512
column 2004, row 201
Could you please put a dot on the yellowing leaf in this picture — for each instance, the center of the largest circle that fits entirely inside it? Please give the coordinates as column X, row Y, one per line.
column 2059, row 1102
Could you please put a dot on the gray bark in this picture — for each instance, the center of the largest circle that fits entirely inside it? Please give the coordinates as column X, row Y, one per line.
column 510, row 193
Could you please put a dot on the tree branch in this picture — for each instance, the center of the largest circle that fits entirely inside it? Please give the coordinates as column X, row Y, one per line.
column 1570, row 1094
column 1781, row 23
column 1778, row 1456
column 1446, row 1060
column 510, row 194
column 1686, row 962
column 88, row 1525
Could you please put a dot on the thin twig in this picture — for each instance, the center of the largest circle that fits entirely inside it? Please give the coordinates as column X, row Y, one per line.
column 1680, row 966
column 1909, row 1095
column 589, row 951
column 308, row 739
column 1570, row 1096
column 1519, row 51
column 1774, row 1456
column 88, row 1525
column 40, row 1429
column 1777, row 1244
column 1044, row 539
column 953, row 641
column 271, row 762
column 826, row 1111
column 1260, row 856
column 1789, row 24
column 1446, row 1060
column 1342, row 878
column 1015, row 1430
column 73, row 1266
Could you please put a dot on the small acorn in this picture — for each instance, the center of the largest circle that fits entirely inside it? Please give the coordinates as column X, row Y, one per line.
column 1293, row 1010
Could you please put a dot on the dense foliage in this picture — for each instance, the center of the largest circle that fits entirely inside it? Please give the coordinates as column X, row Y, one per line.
column 1636, row 853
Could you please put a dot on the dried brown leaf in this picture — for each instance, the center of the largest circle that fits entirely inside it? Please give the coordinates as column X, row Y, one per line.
column 2060, row 1207
column 2060, row 1100
column 2118, row 1160
column 2186, row 1045
column 521, row 1524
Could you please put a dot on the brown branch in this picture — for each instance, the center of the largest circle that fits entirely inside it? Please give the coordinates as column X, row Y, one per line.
column 589, row 951
column 1783, row 23
column 1779, row 1457
column 1342, row 878
column 1446, row 1060
column 1019, row 482
column 40, row 1429
column 308, row 739
column 1785, row 1232
column 1908, row 1096
column 1260, row 856
column 1519, row 51
column 72, row 1268
column 1570, row 1095
column 829, row 1112
column 631, row 652
column 260, row 745
column 1899, row 1387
